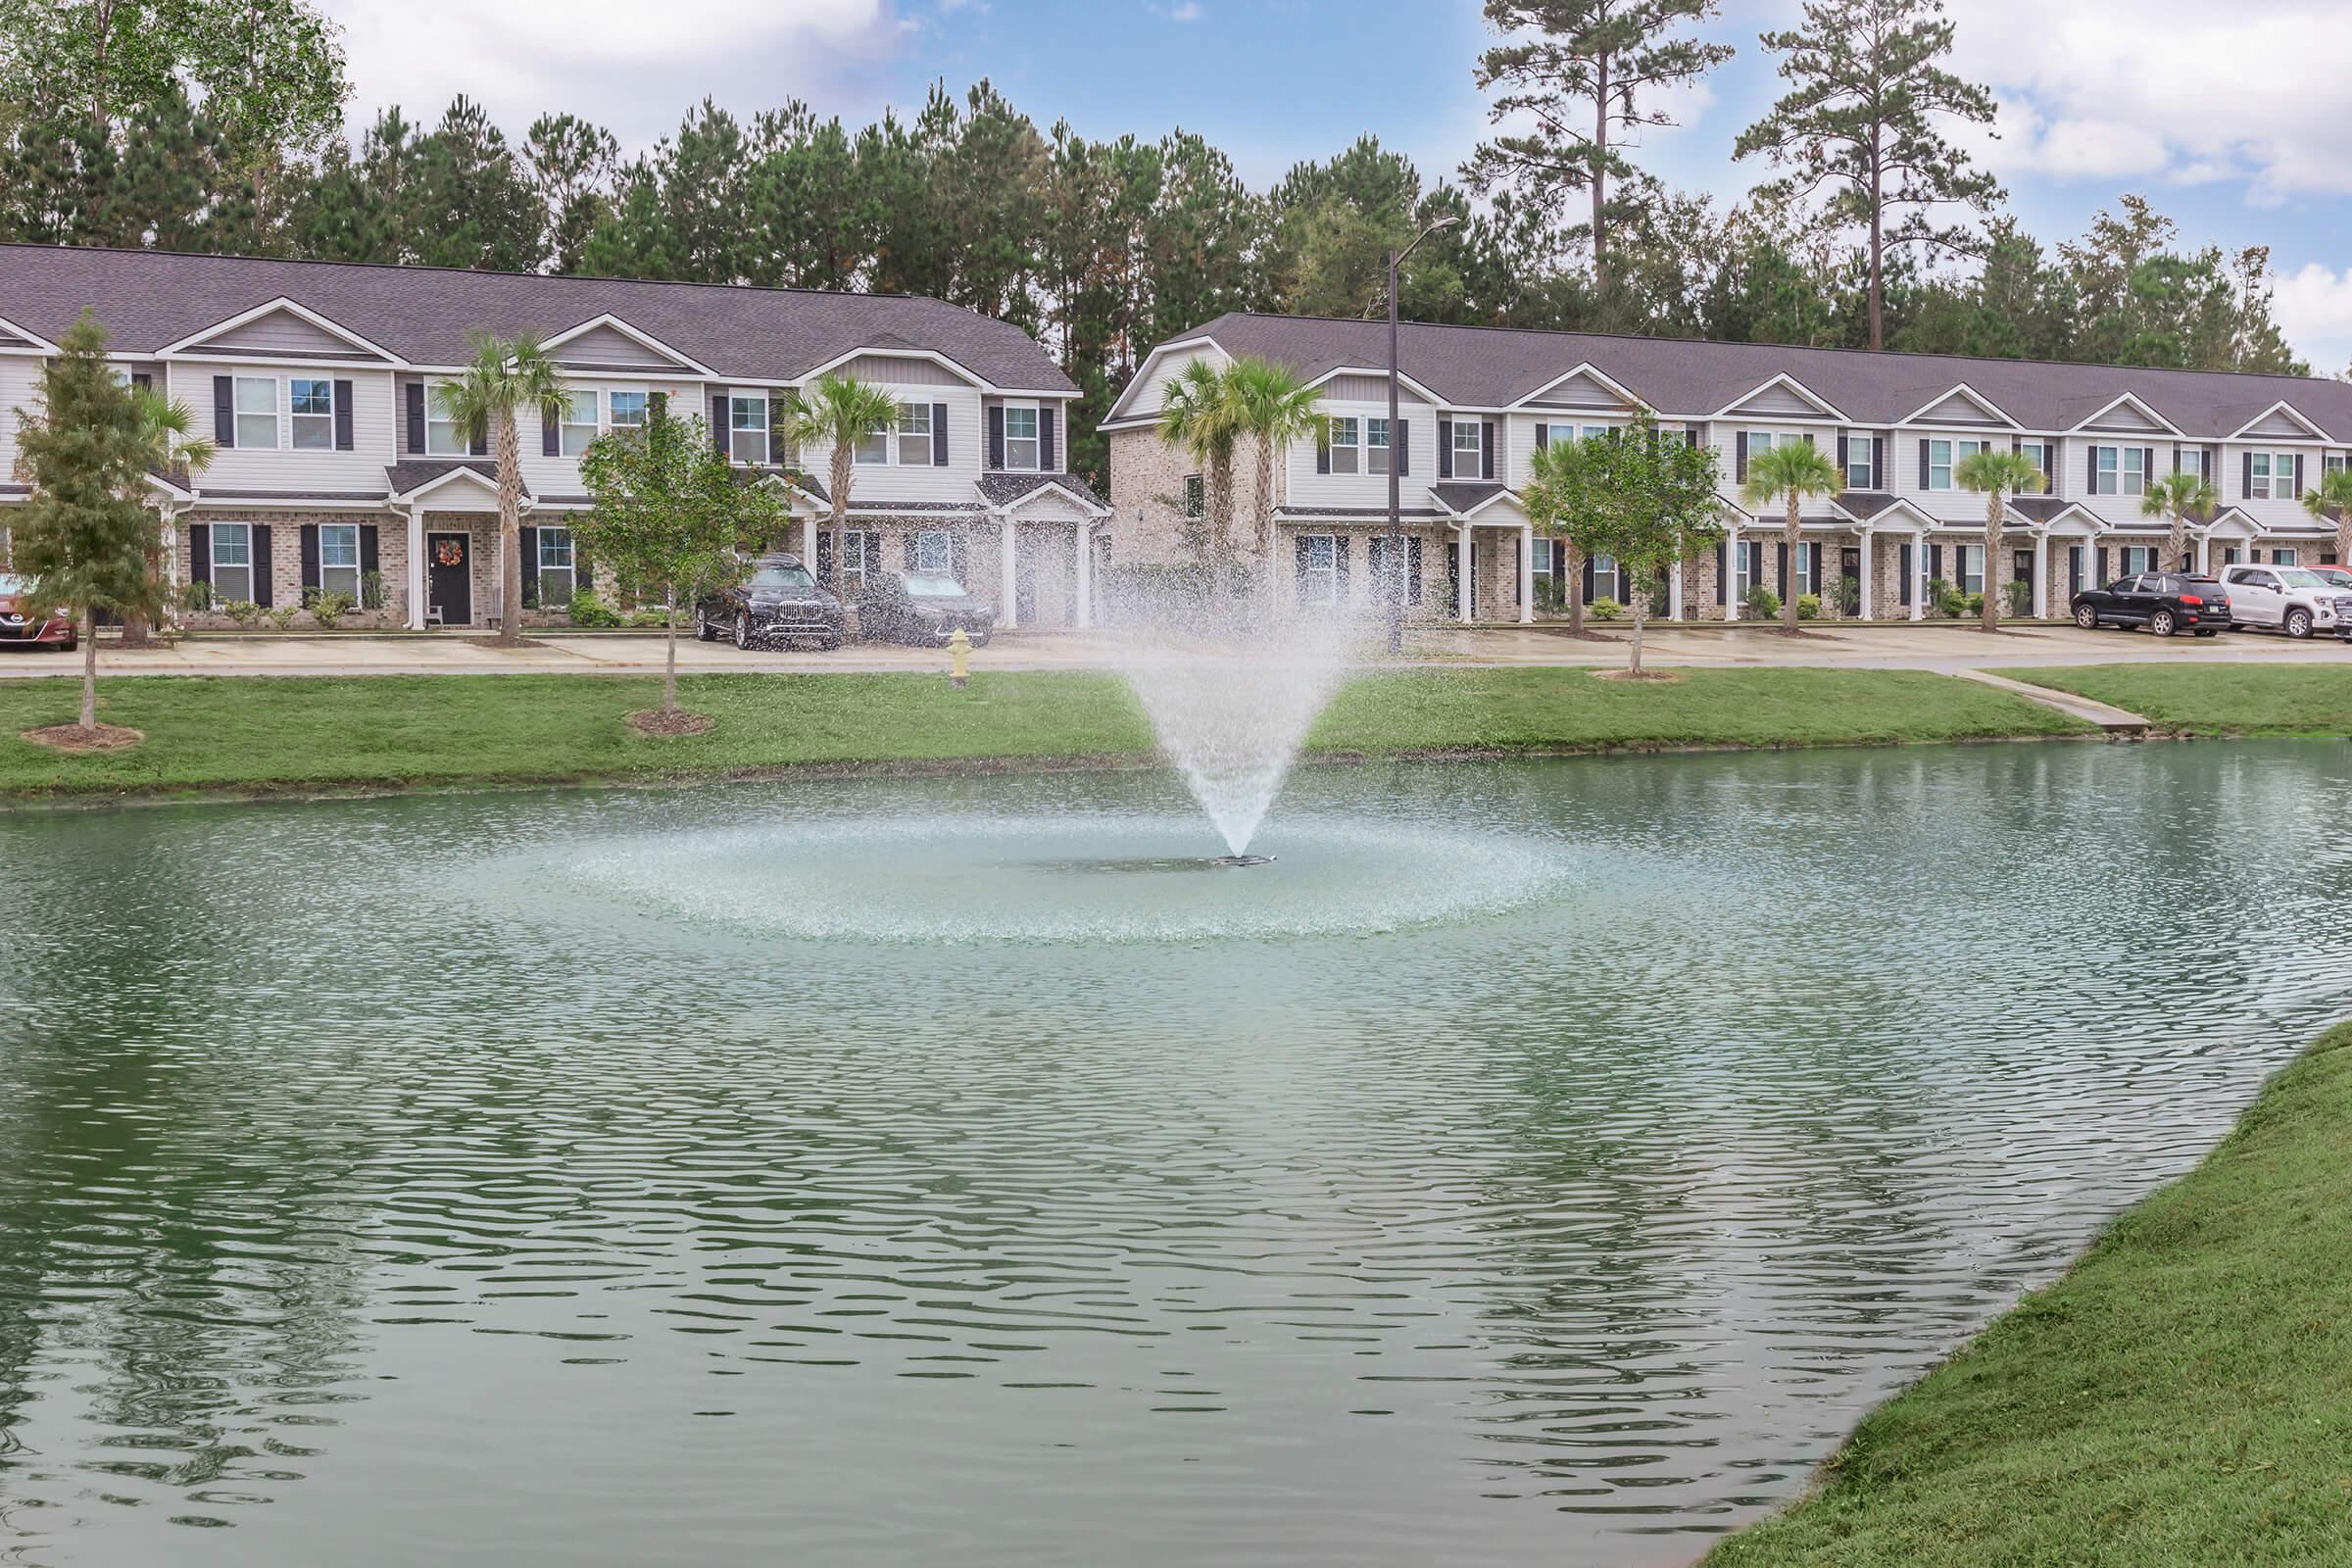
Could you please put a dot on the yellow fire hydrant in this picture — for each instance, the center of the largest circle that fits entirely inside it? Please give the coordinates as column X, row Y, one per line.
column 960, row 659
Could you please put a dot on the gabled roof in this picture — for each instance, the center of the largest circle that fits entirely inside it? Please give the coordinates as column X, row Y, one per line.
column 1941, row 405
column 1759, row 402
column 422, row 477
column 1552, row 394
column 209, row 336
column 422, row 315
column 1011, row 489
column 2286, row 415
column 606, row 320
column 2116, row 414
column 1467, row 498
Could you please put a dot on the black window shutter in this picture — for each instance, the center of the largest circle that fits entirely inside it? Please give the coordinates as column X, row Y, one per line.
column 996, row 437
column 939, row 435
column 1816, row 571
column 1924, row 474
column 370, row 556
column 199, row 552
column 2090, row 471
column 481, row 438
column 225, row 411
column 143, row 381
column 1338, row 563
column 719, row 422
column 658, row 406
column 310, row 558
column 2102, row 577
column 264, row 585
column 1843, row 443
column 551, row 431
column 779, row 414
column 1486, row 449
column 2148, row 466
column 1878, row 463
column 1722, row 561
column 1739, row 457
column 2245, row 482
column 907, row 550
column 1935, row 564
column 1412, row 570
column 1696, row 434
column 343, row 432
column 415, row 402
column 1323, row 449
column 1780, row 553
column 1445, row 448
column 1906, row 573
column 1298, row 548
column 1543, row 435
column 1587, row 580
column 1047, row 461
column 1400, row 446
column 824, row 555
column 2298, row 473
column 528, row 544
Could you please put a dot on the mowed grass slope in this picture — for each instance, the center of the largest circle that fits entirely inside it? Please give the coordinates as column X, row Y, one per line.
column 2181, row 1399
column 262, row 733
column 2288, row 699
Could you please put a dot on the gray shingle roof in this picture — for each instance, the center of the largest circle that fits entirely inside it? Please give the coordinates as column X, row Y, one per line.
column 1462, row 495
column 1001, row 488
column 422, row 313
column 408, row 476
column 1479, row 367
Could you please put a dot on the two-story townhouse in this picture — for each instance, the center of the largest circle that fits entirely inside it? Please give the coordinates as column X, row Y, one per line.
column 1477, row 403
column 335, row 469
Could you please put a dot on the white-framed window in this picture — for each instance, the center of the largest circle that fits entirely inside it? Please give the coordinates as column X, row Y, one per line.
column 444, row 437
column 1604, row 579
column 2118, row 470
column 257, row 412
column 1859, row 475
column 1195, row 496
column 1021, row 436
column 1968, row 563
column 232, row 561
column 1319, row 577
column 2138, row 558
column 1469, row 448
column 339, row 559
column 1759, row 441
column 2332, row 463
column 1538, row 566
column 747, row 427
column 2282, row 558
column 1376, row 446
column 2273, row 476
column 1939, row 464
column 932, row 550
column 2038, row 454
column 2190, row 461
column 629, row 408
column 1801, row 571
column 577, row 431
column 557, row 579
column 854, row 564
column 1748, row 568
column 1343, row 434
column 312, row 404
column 914, row 434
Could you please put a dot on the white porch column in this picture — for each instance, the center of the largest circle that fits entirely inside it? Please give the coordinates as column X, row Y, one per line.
column 1870, row 569
column 1085, row 574
column 2041, row 574
column 1007, row 613
column 1730, row 574
column 1674, row 588
column 1919, row 575
column 415, row 569
column 2204, row 554
column 808, row 543
column 1461, row 584
column 1527, row 574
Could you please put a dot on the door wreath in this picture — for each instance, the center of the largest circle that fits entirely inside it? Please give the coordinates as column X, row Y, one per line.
column 449, row 553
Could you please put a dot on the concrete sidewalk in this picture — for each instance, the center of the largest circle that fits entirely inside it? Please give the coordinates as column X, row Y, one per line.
column 1943, row 648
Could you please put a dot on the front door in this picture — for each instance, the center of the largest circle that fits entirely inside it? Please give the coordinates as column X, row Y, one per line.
column 1024, row 586
column 2021, row 569
column 1849, row 567
column 448, row 578
column 1454, row 581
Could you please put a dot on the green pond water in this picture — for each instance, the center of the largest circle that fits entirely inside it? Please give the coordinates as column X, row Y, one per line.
column 1541, row 1162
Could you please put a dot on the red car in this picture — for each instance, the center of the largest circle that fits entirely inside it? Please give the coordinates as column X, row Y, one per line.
column 22, row 622
column 2337, row 576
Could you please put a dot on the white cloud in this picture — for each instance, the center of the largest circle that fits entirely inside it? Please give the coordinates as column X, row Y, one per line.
column 2314, row 306
column 631, row 67
column 2176, row 90
column 1182, row 11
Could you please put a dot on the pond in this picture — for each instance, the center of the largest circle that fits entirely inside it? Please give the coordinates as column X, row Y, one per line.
column 1535, row 1163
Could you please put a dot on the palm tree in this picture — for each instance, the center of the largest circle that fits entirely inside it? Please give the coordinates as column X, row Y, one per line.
column 1996, row 475
column 1793, row 471
column 172, row 450
column 505, row 376
column 1272, row 406
column 2335, row 495
column 1196, row 415
column 2177, row 499
column 841, row 410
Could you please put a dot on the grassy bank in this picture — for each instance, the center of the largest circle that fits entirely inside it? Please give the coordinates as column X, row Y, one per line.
column 2217, row 699
column 314, row 732
column 2181, row 1399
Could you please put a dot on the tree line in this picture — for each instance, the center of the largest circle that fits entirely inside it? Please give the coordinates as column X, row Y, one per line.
column 156, row 124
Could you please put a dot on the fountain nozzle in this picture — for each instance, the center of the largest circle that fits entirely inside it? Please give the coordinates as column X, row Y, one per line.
column 1242, row 860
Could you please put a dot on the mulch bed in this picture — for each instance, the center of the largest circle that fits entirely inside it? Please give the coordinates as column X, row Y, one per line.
column 74, row 740
column 653, row 721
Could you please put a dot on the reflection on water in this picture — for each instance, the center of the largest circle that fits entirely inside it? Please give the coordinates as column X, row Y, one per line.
column 1537, row 1163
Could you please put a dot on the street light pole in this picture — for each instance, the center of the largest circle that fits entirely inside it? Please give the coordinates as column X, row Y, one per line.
column 1396, row 451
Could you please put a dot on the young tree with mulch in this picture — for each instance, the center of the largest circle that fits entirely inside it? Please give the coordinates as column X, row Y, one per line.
column 84, row 536
column 672, row 513
column 1648, row 499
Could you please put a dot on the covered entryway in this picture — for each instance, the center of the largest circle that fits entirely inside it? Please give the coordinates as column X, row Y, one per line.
column 449, row 579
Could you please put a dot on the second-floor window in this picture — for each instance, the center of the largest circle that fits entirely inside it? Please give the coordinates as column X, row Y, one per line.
column 311, row 403
column 1469, row 449
column 2038, row 454
column 2273, row 476
column 2118, row 471
column 339, row 559
column 1858, row 474
column 1945, row 456
column 628, row 410
column 444, row 437
column 1376, row 446
column 1021, row 438
column 747, row 428
column 1345, row 434
column 578, row 412
column 256, row 411
column 2190, row 461
column 914, row 434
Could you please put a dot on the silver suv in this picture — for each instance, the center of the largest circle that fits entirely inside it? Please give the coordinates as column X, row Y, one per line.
column 2289, row 598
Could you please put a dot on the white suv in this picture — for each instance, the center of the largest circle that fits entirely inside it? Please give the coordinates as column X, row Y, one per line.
column 2295, row 601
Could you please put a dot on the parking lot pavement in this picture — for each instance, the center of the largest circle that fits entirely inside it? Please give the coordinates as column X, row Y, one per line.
column 1944, row 648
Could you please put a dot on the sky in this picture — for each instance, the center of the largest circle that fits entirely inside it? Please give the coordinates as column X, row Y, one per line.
column 2227, row 118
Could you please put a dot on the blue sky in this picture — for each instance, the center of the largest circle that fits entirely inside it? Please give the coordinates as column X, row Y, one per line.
column 2215, row 114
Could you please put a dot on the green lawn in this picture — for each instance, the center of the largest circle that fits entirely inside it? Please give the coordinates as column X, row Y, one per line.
column 2182, row 1398
column 2218, row 699
column 315, row 732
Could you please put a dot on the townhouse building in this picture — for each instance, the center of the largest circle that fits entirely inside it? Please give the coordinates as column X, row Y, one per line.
column 336, row 468
column 1476, row 402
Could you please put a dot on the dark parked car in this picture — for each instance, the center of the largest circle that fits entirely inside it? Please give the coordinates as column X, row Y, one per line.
column 923, row 607
column 2164, row 601
column 776, row 602
column 24, row 622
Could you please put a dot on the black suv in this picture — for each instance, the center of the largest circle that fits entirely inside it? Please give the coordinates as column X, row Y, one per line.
column 2164, row 601
column 776, row 602
column 923, row 607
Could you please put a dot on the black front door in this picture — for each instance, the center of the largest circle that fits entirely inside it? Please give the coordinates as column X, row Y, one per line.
column 448, row 578
column 1453, row 579
column 1849, row 567
column 2021, row 569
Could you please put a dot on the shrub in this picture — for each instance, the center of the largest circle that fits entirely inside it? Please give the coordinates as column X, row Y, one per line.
column 283, row 615
column 1945, row 599
column 372, row 593
column 327, row 608
column 196, row 596
column 1849, row 596
column 589, row 609
column 2021, row 599
column 1606, row 608
column 1808, row 607
column 1972, row 605
column 653, row 617
column 241, row 611
column 1761, row 603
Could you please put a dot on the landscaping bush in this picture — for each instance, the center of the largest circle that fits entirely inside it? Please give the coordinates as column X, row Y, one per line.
column 241, row 611
column 1761, row 603
column 1945, row 599
column 2021, row 599
column 653, row 617
column 282, row 616
column 196, row 596
column 1849, row 596
column 1808, row 607
column 1606, row 608
column 327, row 608
column 588, row 609
column 1972, row 605
column 372, row 590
